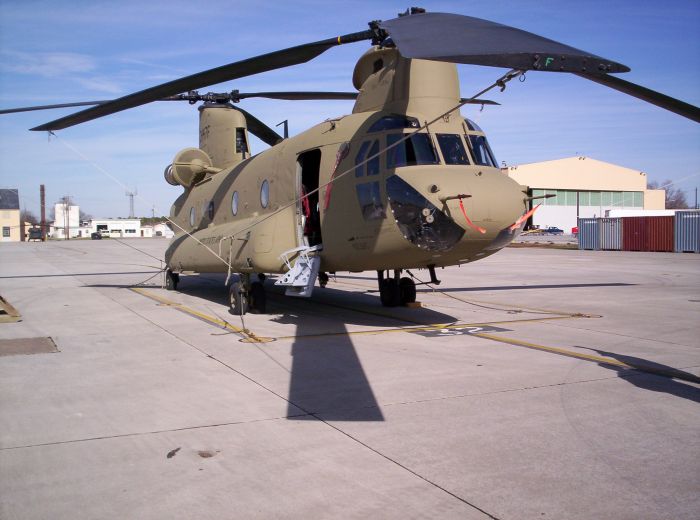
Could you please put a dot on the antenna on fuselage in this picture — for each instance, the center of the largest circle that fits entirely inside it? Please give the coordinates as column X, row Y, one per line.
column 286, row 127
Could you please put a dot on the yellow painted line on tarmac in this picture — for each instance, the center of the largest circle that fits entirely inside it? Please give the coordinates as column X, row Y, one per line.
column 247, row 334
column 555, row 350
column 669, row 372
column 425, row 328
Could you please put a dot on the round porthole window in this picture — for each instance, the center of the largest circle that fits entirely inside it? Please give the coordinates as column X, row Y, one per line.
column 192, row 217
column 265, row 194
column 234, row 203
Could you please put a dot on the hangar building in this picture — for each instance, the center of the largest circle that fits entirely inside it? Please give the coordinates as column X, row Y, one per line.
column 584, row 187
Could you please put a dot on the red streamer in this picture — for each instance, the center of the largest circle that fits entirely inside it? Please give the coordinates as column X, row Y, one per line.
column 469, row 222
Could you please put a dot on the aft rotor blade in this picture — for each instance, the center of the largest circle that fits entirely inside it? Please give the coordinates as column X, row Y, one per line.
column 260, row 129
column 464, row 39
column 239, row 69
column 650, row 96
column 49, row 107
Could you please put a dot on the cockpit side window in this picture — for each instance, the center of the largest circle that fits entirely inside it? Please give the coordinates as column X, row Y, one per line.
column 452, row 149
column 372, row 165
column 417, row 149
column 359, row 158
column 481, row 151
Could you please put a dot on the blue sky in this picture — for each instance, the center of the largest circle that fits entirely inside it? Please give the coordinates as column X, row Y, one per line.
column 62, row 51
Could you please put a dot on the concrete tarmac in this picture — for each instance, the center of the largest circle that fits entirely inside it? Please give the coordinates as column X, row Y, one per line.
column 536, row 383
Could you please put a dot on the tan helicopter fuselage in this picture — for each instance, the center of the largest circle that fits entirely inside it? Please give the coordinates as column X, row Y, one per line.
column 416, row 204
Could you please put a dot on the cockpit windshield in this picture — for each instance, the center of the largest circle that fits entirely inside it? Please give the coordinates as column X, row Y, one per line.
column 452, row 149
column 417, row 149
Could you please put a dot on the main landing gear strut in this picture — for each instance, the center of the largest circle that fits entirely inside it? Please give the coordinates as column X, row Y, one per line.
column 396, row 290
column 247, row 296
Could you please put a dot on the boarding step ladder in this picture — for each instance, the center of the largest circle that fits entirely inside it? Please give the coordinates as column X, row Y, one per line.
column 300, row 277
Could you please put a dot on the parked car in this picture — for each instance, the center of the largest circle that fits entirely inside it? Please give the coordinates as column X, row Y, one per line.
column 96, row 236
column 553, row 231
column 34, row 234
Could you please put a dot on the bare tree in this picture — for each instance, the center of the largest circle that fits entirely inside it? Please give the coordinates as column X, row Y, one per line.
column 28, row 216
column 675, row 197
column 84, row 216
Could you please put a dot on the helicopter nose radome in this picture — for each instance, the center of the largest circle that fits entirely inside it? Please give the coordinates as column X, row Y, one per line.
column 457, row 207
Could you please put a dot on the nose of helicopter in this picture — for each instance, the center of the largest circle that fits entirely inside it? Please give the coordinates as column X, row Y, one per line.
column 442, row 209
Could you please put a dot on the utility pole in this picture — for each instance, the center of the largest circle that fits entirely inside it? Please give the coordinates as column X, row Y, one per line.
column 42, row 198
column 66, row 216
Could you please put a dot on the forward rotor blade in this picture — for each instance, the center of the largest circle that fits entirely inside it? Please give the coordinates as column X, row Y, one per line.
column 650, row 96
column 260, row 129
column 239, row 69
column 299, row 96
column 464, row 39
column 306, row 96
column 49, row 107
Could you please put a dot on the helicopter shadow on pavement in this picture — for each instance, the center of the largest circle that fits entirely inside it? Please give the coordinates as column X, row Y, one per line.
column 327, row 376
column 653, row 376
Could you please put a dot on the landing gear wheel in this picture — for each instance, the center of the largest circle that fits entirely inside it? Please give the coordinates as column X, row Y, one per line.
column 389, row 292
column 322, row 279
column 407, row 290
column 238, row 299
column 258, row 300
column 171, row 280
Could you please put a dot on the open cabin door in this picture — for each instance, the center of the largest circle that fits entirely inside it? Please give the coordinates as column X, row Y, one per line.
column 308, row 169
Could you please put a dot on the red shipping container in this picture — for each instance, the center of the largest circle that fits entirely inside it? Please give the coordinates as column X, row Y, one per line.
column 634, row 230
column 647, row 234
column 660, row 234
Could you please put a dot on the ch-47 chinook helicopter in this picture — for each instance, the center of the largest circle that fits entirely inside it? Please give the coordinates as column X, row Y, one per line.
column 403, row 182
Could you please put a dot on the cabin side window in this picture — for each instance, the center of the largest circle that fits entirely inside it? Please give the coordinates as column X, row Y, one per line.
column 452, row 149
column 234, row 203
column 417, row 149
column 265, row 194
column 192, row 216
column 210, row 210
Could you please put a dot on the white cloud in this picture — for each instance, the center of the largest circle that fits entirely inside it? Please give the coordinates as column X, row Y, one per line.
column 46, row 64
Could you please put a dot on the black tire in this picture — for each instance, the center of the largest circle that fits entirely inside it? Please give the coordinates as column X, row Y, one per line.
column 389, row 293
column 238, row 299
column 258, row 299
column 171, row 280
column 407, row 290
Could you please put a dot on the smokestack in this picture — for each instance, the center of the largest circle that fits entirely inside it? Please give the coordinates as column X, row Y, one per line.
column 42, row 197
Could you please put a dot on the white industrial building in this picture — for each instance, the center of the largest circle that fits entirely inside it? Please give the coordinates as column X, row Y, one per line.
column 67, row 221
column 120, row 228
column 583, row 187
column 128, row 228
